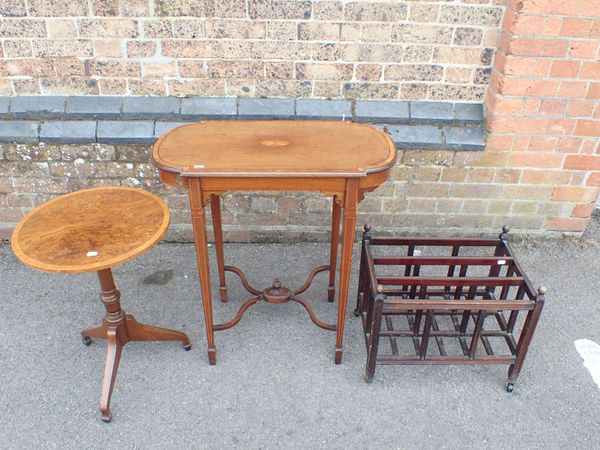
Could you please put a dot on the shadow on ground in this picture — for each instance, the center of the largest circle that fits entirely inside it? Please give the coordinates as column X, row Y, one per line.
column 275, row 384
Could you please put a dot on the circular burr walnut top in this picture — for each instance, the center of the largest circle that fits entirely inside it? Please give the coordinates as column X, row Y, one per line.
column 90, row 230
column 274, row 148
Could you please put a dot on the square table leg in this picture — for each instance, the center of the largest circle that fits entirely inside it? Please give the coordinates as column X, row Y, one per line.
column 351, row 198
column 199, row 225
column 336, row 213
column 215, row 212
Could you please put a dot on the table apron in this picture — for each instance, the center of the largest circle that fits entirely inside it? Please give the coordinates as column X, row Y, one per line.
column 326, row 185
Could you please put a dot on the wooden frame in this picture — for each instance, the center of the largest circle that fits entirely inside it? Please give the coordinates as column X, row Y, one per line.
column 93, row 230
column 444, row 310
column 338, row 159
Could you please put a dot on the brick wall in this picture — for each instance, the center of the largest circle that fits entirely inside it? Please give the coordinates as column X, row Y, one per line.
column 540, row 171
column 543, row 108
column 275, row 48
column 430, row 192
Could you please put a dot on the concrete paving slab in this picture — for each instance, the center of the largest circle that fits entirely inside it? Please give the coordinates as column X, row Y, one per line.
column 275, row 384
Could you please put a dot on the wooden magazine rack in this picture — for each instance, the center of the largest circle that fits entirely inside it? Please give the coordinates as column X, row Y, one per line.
column 445, row 301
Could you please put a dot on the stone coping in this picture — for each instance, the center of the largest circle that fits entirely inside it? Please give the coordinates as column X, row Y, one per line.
column 104, row 119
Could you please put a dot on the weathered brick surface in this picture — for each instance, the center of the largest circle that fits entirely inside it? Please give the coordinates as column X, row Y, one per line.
column 301, row 48
column 432, row 191
column 540, row 108
column 539, row 172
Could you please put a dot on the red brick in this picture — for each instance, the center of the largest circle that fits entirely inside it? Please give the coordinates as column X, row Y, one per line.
column 520, row 144
column 543, row 160
column 542, row 143
column 574, row 194
column 528, row 7
column 542, row 69
column 504, row 41
column 576, row 27
column 524, row 25
column 588, row 128
column 500, row 60
column 582, row 162
column 567, row 7
column 594, row 179
column 572, row 89
column 577, row 178
column 569, row 145
column 531, row 106
column 496, row 80
column 553, row 107
column 560, row 126
column 507, row 106
column 499, row 142
column 584, row 210
column 552, row 26
column 517, row 65
column 583, row 49
column 527, row 87
column 510, row 19
column 565, row 223
column 538, row 47
column 520, row 126
column 564, row 69
column 590, row 70
column 593, row 91
column 588, row 147
column 578, row 108
column 595, row 31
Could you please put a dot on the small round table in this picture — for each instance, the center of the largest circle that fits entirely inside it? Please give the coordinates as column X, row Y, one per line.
column 93, row 230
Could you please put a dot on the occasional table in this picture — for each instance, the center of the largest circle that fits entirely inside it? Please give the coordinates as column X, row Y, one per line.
column 92, row 231
column 339, row 159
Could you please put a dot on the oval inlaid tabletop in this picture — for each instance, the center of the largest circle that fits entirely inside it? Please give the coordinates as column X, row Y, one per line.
column 90, row 230
column 274, row 148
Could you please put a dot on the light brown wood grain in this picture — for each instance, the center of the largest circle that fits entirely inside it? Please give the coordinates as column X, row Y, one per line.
column 274, row 149
column 339, row 159
column 90, row 230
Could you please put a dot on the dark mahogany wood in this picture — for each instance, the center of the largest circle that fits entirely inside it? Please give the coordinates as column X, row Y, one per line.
column 338, row 159
column 94, row 230
column 478, row 312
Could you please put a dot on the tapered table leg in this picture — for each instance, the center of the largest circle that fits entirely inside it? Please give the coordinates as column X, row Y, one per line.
column 348, row 228
column 118, row 329
column 114, row 348
column 199, row 225
column 336, row 213
column 215, row 210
